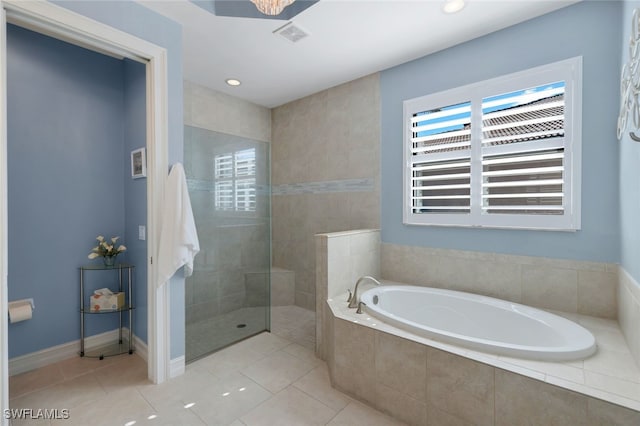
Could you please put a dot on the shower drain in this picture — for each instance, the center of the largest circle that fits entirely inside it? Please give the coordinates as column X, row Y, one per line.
column 241, row 325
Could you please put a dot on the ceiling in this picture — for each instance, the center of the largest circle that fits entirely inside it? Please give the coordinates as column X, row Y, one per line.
column 348, row 39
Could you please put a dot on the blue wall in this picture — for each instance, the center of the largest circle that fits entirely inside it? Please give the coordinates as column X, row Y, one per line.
column 141, row 22
column 65, row 180
column 589, row 29
column 629, row 174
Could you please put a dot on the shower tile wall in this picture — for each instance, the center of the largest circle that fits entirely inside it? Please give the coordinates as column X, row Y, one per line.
column 208, row 109
column 325, row 173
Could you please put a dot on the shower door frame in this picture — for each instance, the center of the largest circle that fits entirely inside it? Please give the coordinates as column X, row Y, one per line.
column 47, row 18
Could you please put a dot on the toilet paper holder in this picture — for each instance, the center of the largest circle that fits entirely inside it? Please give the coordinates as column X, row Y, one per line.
column 21, row 302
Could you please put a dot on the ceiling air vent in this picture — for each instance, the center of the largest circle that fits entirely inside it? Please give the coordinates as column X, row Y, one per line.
column 291, row 32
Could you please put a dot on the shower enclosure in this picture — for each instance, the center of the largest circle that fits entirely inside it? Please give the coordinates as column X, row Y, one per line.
column 227, row 297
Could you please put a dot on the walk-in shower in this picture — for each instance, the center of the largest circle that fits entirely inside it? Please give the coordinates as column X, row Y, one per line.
column 227, row 297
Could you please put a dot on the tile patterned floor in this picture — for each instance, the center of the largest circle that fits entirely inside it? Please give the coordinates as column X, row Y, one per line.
column 269, row 379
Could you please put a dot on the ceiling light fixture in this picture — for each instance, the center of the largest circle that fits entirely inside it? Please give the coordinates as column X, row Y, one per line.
column 233, row 82
column 271, row 7
column 453, row 6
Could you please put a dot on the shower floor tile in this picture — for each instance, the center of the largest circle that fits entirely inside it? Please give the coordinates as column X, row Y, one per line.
column 293, row 323
column 211, row 334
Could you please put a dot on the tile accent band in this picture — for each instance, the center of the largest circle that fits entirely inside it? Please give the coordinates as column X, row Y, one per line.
column 345, row 185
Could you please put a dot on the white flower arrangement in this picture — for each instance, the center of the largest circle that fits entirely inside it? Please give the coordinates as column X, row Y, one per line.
column 104, row 249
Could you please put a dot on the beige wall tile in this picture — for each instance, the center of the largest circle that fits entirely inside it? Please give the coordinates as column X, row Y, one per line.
column 321, row 297
column 602, row 413
column 394, row 263
column 437, row 417
column 338, row 268
column 305, row 300
column 283, row 286
column 401, row 365
column 354, row 360
column 629, row 313
column 329, row 125
column 597, row 293
column 400, row 406
column 212, row 110
column 550, row 288
column 558, row 284
column 460, row 386
column 459, row 391
column 518, row 398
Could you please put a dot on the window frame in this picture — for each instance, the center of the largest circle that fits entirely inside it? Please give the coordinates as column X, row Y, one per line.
column 569, row 71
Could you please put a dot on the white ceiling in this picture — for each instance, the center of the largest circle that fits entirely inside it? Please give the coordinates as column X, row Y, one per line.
column 349, row 39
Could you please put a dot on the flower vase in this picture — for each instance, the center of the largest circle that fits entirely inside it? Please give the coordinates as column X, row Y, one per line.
column 109, row 261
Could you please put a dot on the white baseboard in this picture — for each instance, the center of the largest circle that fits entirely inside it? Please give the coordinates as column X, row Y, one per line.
column 140, row 346
column 33, row 360
column 176, row 367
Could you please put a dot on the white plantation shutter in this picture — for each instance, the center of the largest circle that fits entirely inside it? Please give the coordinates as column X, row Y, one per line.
column 523, row 151
column 441, row 160
column 508, row 157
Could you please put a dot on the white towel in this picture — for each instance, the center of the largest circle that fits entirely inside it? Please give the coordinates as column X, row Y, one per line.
column 179, row 243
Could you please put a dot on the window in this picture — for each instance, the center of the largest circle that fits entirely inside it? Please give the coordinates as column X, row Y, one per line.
column 235, row 181
column 502, row 153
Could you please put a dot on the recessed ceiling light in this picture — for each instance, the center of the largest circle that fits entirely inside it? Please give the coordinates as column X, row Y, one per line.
column 453, row 6
column 233, row 82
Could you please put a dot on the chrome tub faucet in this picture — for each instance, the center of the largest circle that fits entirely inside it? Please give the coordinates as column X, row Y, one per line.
column 353, row 299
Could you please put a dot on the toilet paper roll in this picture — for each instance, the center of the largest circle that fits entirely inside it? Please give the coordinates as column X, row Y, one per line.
column 20, row 313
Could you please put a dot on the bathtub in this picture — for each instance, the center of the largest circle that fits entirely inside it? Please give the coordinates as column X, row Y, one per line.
column 481, row 323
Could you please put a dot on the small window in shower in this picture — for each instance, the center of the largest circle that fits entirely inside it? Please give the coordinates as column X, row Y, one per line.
column 235, row 181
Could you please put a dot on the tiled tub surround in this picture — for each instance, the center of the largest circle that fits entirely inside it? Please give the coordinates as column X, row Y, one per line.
column 341, row 258
column 418, row 380
column 586, row 288
column 629, row 312
column 426, row 382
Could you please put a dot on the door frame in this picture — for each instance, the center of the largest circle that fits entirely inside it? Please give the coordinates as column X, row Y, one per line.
column 61, row 23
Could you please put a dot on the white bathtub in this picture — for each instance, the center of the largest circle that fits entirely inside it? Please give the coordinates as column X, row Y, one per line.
column 479, row 322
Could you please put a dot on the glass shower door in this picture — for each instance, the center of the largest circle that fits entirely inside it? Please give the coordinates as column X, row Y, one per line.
column 227, row 297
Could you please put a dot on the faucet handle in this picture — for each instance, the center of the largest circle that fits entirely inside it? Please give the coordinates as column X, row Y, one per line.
column 360, row 305
column 350, row 295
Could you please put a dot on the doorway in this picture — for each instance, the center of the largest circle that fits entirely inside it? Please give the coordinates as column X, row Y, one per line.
column 61, row 23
